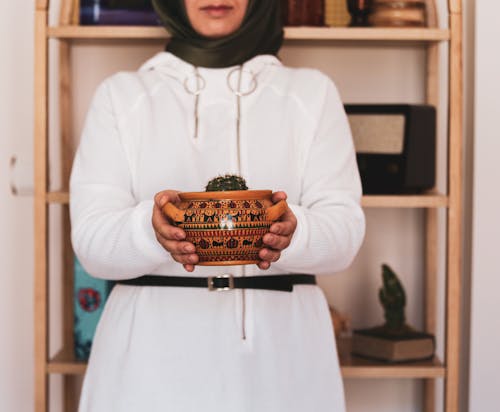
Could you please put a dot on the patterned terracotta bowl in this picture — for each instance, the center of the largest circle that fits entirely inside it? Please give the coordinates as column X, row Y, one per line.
column 226, row 227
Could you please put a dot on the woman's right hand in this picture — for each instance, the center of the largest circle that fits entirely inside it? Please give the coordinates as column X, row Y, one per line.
column 169, row 236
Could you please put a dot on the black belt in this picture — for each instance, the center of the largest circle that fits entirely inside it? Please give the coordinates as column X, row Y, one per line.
column 225, row 282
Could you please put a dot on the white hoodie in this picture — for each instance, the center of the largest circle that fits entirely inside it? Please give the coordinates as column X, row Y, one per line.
column 139, row 140
column 180, row 349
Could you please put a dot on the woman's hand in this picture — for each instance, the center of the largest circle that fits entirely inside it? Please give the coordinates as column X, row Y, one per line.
column 169, row 236
column 279, row 236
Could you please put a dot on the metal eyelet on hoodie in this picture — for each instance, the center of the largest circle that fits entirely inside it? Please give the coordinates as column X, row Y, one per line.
column 237, row 91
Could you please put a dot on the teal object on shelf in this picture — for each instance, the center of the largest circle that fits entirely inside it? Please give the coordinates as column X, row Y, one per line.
column 89, row 296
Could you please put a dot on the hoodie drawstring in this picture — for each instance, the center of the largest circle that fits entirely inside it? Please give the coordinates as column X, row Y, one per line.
column 239, row 93
column 200, row 85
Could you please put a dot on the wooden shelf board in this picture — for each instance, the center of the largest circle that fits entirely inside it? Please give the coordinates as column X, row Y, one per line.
column 430, row 200
column 362, row 368
column 65, row 363
column 426, row 200
column 291, row 33
column 352, row 367
column 366, row 33
column 107, row 32
column 57, row 197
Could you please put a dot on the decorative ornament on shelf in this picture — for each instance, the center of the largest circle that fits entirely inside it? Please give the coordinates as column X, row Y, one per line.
column 398, row 13
column 395, row 340
column 359, row 11
column 341, row 323
column 392, row 296
column 227, row 222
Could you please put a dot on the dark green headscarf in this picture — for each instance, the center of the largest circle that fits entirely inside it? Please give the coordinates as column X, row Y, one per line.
column 260, row 33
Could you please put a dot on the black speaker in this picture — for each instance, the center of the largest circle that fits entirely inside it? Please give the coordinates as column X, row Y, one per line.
column 395, row 146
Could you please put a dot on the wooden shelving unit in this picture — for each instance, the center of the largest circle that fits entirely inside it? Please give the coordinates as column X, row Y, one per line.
column 64, row 362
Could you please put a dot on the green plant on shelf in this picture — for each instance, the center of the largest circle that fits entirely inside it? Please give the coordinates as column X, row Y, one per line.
column 392, row 296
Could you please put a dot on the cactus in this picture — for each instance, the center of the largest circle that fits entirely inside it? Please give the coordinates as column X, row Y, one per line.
column 393, row 298
column 226, row 182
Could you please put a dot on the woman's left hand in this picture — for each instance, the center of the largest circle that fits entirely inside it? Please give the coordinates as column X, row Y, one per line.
column 279, row 236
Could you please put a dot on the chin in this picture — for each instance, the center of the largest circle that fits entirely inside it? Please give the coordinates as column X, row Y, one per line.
column 218, row 30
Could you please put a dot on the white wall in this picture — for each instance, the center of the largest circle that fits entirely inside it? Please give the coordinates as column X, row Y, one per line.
column 16, row 221
column 395, row 236
column 485, row 330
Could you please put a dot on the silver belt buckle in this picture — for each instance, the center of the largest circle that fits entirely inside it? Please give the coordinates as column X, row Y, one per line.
column 212, row 287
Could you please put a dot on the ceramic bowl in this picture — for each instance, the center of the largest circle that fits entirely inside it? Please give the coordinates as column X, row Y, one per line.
column 226, row 227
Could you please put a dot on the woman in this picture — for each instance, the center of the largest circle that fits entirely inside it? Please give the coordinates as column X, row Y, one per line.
column 217, row 101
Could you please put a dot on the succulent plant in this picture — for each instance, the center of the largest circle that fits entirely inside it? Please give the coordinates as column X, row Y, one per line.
column 226, row 182
column 393, row 298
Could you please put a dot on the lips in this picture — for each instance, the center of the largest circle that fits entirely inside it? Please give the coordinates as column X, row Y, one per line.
column 217, row 10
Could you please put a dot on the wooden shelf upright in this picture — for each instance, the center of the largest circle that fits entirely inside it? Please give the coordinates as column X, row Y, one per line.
column 432, row 37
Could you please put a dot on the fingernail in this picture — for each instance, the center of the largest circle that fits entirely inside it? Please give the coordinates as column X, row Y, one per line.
column 163, row 200
column 188, row 249
column 179, row 235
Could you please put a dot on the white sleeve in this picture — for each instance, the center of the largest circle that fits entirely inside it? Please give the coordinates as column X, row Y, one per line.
column 330, row 220
column 112, row 233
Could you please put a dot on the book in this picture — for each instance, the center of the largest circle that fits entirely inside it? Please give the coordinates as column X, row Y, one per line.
column 118, row 12
column 336, row 13
column 303, row 13
column 375, row 344
column 75, row 12
column 89, row 296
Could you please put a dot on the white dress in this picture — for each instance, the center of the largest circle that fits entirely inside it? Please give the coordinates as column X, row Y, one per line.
column 181, row 349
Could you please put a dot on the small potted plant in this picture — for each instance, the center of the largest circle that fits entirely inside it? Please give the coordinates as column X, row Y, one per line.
column 226, row 223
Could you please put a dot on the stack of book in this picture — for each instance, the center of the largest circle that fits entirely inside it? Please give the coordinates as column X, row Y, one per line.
column 118, row 12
